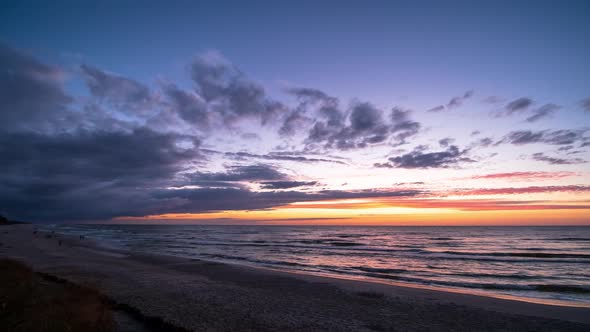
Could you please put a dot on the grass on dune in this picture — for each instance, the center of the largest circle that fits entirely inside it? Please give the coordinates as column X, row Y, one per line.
column 29, row 302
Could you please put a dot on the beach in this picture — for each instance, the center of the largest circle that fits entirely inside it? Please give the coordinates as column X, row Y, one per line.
column 200, row 295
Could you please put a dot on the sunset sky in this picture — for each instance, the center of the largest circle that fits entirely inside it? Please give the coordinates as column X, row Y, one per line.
column 344, row 112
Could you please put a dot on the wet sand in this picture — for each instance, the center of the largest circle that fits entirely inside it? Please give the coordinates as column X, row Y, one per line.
column 209, row 296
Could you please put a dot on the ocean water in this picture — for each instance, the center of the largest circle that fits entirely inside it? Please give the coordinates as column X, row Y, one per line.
column 543, row 263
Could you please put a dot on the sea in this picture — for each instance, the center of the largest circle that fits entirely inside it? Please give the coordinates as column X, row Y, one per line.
column 539, row 264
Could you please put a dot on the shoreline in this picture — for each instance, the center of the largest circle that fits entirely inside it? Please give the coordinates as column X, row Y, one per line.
column 461, row 290
column 265, row 296
column 464, row 291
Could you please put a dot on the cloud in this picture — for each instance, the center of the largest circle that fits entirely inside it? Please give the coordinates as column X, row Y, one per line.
column 458, row 101
column 223, row 199
column 123, row 150
column 445, row 142
column 482, row 143
column 293, row 122
column 124, row 94
column 281, row 156
column 542, row 112
column 89, row 175
column 418, row 159
column 31, row 92
column 524, row 106
column 437, row 108
column 585, row 103
column 518, row 105
column 330, row 127
column 403, row 127
column 555, row 137
column 188, row 105
column 239, row 173
column 556, row 161
column 525, row 176
column 310, row 95
column 230, row 92
column 313, row 103
column 286, row 184
column 367, row 126
column 521, row 190
column 453, row 102
column 524, row 137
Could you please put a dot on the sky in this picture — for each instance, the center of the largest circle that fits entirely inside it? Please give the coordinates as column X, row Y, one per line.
column 261, row 112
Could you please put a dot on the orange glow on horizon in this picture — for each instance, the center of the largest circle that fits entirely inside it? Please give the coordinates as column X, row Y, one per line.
column 392, row 211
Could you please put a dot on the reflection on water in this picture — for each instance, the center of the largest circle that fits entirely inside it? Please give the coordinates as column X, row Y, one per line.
column 534, row 262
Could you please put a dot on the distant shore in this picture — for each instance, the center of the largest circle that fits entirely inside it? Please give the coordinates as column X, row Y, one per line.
column 201, row 295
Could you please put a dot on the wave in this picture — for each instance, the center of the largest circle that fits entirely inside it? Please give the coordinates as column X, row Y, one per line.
column 576, row 239
column 515, row 254
column 563, row 289
column 394, row 274
column 479, row 259
column 547, row 288
column 496, row 276
column 330, row 241
column 380, row 270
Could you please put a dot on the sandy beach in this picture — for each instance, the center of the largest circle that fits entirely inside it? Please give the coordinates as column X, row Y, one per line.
column 198, row 295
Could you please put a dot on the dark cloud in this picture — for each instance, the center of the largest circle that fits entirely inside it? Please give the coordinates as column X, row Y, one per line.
column 453, row 103
column 232, row 94
column 555, row 137
column 518, row 105
column 124, row 94
column 437, row 108
column 286, row 184
column 542, row 112
column 188, row 105
column 102, row 157
column 524, row 106
column 365, row 117
column 556, row 161
column 313, row 103
column 445, row 142
column 293, row 122
column 403, row 127
column 585, row 103
column 419, row 159
column 482, row 143
column 523, row 137
column 458, row 101
column 310, row 95
column 281, row 156
column 330, row 127
column 248, row 173
column 31, row 92
column 366, row 127
column 222, row 199
column 93, row 175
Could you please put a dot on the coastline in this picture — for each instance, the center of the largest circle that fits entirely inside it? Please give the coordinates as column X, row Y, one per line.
column 197, row 294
